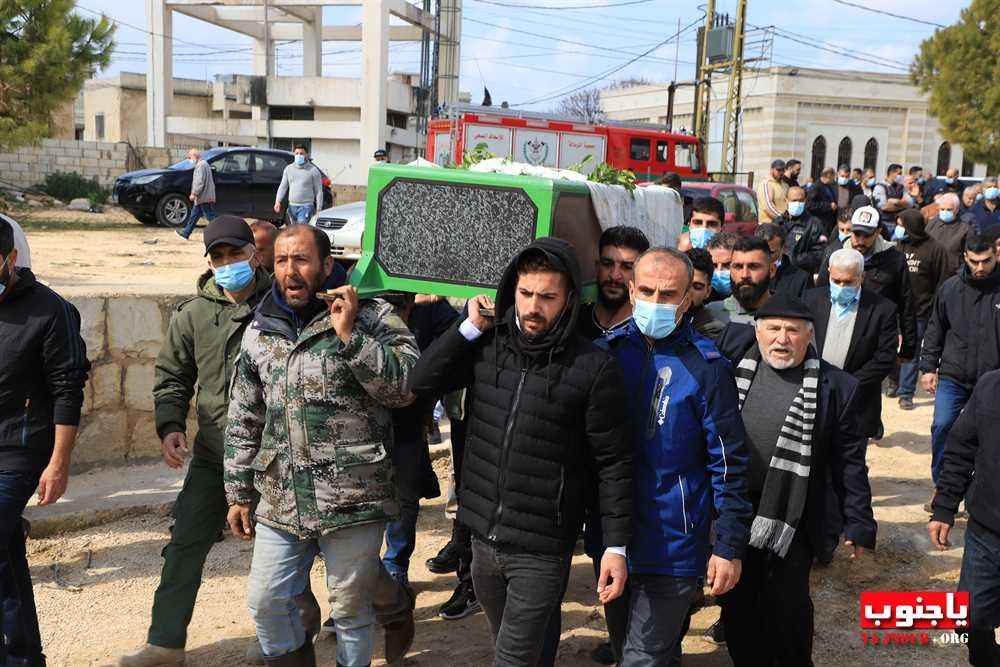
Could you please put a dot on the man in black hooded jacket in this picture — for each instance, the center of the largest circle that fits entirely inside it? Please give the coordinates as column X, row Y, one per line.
column 546, row 413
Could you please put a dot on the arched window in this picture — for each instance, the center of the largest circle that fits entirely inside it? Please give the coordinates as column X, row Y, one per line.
column 818, row 157
column 944, row 158
column 844, row 153
column 968, row 166
column 871, row 154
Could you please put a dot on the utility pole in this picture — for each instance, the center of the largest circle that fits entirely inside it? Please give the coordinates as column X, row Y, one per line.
column 731, row 126
column 702, row 96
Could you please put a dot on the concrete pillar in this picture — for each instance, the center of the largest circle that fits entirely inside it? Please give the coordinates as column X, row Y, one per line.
column 160, row 77
column 263, row 57
column 374, row 70
column 450, row 51
column 312, row 44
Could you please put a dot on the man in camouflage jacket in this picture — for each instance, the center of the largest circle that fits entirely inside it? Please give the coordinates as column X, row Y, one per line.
column 310, row 429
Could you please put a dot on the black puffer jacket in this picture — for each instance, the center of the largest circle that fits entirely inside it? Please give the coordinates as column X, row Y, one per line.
column 962, row 341
column 543, row 420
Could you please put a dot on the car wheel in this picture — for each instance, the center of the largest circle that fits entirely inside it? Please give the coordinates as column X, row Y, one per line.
column 173, row 210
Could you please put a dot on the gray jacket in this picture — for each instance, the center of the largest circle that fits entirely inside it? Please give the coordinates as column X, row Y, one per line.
column 303, row 185
column 202, row 184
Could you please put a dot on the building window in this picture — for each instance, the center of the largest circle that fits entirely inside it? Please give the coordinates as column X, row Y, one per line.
column 844, row 153
column 290, row 144
column 291, row 113
column 639, row 149
column 395, row 119
column 818, row 157
column 871, row 154
column 944, row 158
column 968, row 166
column 99, row 126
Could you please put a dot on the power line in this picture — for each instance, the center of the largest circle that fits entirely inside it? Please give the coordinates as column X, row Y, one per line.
column 885, row 13
column 519, row 6
column 874, row 60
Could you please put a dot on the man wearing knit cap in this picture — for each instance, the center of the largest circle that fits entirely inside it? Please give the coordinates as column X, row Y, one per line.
column 801, row 431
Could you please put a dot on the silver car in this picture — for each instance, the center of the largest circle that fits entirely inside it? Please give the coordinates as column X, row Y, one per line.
column 344, row 225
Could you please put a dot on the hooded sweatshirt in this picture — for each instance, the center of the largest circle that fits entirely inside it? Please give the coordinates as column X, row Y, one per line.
column 545, row 416
column 928, row 261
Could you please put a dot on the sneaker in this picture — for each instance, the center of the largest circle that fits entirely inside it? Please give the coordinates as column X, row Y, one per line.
column 446, row 560
column 434, row 434
column 462, row 603
column 716, row 633
column 906, row 403
column 603, row 655
column 151, row 655
column 181, row 234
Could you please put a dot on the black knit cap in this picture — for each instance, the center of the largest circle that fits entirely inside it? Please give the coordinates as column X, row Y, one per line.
column 786, row 306
column 229, row 230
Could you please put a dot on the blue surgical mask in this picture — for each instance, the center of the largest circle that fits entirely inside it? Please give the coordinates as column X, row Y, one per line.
column 949, row 180
column 843, row 298
column 898, row 178
column 5, row 275
column 899, row 233
column 921, row 180
column 991, row 193
column 946, row 216
column 979, row 197
column 300, row 160
column 843, row 236
column 796, row 208
column 871, row 182
column 700, row 236
column 655, row 320
column 843, row 180
column 722, row 282
column 235, row 276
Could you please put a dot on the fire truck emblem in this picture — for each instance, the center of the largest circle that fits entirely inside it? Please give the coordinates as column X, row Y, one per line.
column 535, row 151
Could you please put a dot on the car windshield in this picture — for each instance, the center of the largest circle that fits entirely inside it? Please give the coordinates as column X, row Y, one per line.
column 187, row 164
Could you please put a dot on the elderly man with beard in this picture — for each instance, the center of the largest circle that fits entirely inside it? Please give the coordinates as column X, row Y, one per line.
column 546, row 414
column 310, row 431
column 801, row 425
column 751, row 272
column 617, row 251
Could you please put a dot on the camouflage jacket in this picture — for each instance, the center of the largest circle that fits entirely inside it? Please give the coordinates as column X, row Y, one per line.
column 310, row 425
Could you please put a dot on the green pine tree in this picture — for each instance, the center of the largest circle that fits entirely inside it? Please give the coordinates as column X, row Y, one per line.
column 46, row 53
column 959, row 66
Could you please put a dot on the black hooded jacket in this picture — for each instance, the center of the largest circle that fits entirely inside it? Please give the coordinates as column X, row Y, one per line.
column 962, row 341
column 929, row 263
column 544, row 418
column 43, row 370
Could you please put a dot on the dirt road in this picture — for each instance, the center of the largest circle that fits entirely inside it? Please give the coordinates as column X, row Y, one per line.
column 117, row 568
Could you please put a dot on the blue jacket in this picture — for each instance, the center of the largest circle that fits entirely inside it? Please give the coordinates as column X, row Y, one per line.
column 983, row 218
column 690, row 457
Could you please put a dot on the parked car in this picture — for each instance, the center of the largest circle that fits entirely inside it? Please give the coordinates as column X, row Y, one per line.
column 344, row 225
column 739, row 201
column 246, row 180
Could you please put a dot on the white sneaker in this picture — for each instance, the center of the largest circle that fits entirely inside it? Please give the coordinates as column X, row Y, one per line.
column 180, row 234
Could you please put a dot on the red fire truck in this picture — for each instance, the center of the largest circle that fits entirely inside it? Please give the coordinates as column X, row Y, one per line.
column 553, row 141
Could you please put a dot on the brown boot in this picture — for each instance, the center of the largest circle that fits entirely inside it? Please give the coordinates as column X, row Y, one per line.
column 151, row 655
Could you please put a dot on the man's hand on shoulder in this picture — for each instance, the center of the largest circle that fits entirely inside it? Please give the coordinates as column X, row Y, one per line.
column 343, row 310
column 476, row 317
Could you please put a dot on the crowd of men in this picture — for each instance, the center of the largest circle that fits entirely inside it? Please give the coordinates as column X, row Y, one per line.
column 705, row 424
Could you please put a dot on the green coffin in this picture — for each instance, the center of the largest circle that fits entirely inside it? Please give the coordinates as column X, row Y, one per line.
column 452, row 232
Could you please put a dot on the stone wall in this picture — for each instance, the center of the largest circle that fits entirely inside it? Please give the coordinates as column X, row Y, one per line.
column 123, row 336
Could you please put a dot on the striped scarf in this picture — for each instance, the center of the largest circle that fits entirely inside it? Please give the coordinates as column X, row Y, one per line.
column 787, row 483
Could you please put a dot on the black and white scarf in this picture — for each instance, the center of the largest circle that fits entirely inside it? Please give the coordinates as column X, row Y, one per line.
column 787, row 483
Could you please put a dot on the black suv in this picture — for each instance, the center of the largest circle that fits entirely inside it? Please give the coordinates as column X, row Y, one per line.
column 246, row 180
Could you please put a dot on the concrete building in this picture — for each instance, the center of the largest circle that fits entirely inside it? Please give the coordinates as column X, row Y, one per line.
column 822, row 117
column 345, row 119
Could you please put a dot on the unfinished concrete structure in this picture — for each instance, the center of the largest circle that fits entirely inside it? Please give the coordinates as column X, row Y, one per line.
column 349, row 118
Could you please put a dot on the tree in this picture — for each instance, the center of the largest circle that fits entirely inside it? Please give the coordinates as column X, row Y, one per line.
column 958, row 67
column 583, row 104
column 46, row 53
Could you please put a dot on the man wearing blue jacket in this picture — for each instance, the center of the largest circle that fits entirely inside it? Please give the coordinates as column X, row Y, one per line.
column 689, row 455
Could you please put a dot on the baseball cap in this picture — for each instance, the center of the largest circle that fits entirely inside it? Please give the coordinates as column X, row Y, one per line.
column 227, row 230
column 777, row 164
column 379, row 153
column 865, row 220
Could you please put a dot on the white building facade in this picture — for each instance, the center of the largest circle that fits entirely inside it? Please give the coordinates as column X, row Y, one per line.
column 824, row 118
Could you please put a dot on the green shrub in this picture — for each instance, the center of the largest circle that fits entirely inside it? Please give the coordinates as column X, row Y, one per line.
column 71, row 185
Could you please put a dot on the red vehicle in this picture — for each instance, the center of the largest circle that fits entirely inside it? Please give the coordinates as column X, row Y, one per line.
column 553, row 141
column 739, row 201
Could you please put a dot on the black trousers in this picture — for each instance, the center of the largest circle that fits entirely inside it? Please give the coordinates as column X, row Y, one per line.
column 521, row 593
column 768, row 615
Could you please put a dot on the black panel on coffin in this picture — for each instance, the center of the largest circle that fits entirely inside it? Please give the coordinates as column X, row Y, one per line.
column 451, row 232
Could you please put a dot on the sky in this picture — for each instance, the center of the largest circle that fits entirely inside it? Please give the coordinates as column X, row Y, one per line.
column 532, row 54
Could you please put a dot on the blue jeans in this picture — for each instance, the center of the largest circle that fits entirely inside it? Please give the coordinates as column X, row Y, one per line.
column 908, row 372
column 302, row 213
column 949, row 399
column 20, row 638
column 980, row 578
column 197, row 211
column 353, row 571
